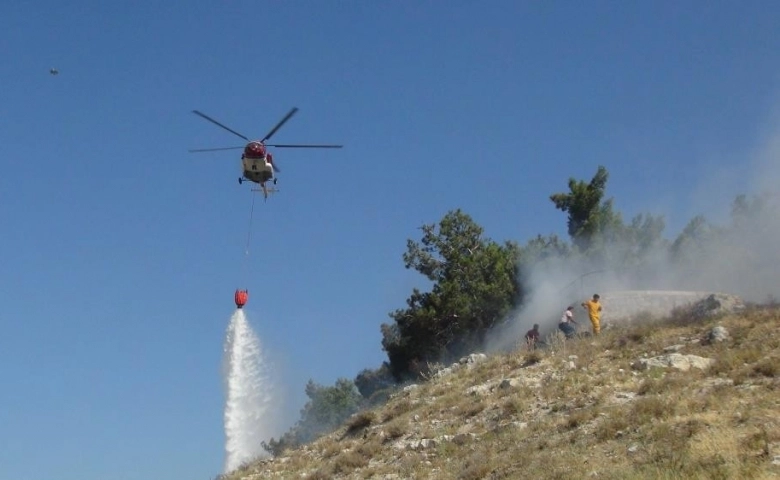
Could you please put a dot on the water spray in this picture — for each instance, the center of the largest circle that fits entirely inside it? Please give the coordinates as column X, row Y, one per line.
column 249, row 393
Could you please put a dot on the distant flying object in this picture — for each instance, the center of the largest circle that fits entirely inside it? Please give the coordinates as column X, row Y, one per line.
column 54, row 71
column 257, row 163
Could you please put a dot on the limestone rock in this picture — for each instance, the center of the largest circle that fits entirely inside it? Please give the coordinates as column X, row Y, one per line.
column 479, row 390
column 674, row 360
column 716, row 335
column 473, row 359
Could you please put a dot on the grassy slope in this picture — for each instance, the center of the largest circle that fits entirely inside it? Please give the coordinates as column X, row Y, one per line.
column 576, row 410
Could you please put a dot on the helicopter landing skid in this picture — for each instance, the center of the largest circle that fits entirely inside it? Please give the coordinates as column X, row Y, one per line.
column 267, row 190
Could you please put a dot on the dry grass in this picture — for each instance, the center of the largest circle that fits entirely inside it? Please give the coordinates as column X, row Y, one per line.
column 593, row 418
column 533, row 357
column 359, row 422
column 469, row 409
column 396, row 409
column 767, row 367
column 396, row 429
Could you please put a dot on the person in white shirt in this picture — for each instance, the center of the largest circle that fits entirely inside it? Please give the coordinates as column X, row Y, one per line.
column 566, row 325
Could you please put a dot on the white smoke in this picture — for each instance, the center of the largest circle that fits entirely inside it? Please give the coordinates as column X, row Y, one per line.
column 739, row 258
column 550, row 287
column 743, row 260
column 249, row 394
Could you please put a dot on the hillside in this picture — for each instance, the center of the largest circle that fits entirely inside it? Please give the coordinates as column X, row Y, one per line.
column 664, row 398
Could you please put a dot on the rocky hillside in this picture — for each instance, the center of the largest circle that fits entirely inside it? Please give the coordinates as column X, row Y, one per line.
column 688, row 396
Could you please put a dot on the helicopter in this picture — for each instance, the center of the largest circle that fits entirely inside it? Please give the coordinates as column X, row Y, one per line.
column 256, row 161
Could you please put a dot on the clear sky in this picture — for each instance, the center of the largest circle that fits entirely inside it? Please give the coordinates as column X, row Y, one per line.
column 120, row 251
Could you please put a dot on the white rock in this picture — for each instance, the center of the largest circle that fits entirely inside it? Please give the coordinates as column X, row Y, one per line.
column 473, row 358
column 718, row 334
column 674, row 360
column 478, row 390
column 509, row 383
column 673, row 348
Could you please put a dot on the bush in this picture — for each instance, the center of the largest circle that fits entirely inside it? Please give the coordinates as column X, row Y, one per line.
column 380, row 397
column 368, row 381
column 359, row 422
column 326, row 410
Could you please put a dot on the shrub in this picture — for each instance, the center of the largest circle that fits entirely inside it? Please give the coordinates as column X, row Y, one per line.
column 359, row 421
column 395, row 430
column 649, row 408
column 399, row 408
column 768, row 367
column 349, row 461
column 532, row 358
column 380, row 397
column 369, row 382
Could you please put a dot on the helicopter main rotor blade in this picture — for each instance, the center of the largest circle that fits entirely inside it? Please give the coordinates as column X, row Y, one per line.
column 213, row 149
column 303, row 146
column 281, row 122
column 201, row 114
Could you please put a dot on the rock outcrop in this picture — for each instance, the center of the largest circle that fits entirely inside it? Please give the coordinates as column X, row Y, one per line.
column 630, row 305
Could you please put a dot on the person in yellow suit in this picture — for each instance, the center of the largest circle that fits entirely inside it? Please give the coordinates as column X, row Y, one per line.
column 594, row 312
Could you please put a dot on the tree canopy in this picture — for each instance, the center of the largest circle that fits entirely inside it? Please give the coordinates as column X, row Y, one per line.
column 474, row 286
column 326, row 409
column 588, row 212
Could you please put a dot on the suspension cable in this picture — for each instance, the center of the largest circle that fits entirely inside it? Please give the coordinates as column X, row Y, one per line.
column 249, row 235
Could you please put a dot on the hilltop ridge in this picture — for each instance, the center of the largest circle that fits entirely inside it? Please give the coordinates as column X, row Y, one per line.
column 685, row 396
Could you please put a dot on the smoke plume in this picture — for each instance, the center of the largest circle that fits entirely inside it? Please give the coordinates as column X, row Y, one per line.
column 737, row 256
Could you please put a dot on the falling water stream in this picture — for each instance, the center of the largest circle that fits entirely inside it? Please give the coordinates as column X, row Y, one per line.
column 248, row 392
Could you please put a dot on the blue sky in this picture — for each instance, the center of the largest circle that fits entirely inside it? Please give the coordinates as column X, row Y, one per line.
column 120, row 251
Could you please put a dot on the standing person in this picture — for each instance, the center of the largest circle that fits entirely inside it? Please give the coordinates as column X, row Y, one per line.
column 594, row 312
column 532, row 336
column 566, row 325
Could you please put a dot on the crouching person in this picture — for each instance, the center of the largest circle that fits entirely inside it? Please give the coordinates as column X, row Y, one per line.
column 567, row 323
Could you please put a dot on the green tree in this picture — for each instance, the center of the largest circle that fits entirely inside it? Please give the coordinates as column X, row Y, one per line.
column 588, row 213
column 542, row 248
column 369, row 381
column 474, row 286
column 693, row 237
column 646, row 233
column 747, row 211
column 539, row 251
column 630, row 246
column 325, row 411
column 327, row 408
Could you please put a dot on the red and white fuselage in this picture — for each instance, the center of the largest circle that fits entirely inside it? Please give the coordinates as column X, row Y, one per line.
column 257, row 163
